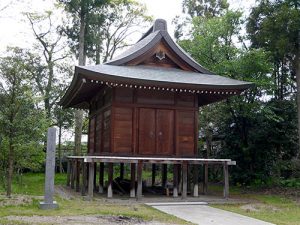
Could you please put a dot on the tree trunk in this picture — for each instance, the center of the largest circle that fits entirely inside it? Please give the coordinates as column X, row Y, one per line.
column 79, row 113
column 297, row 65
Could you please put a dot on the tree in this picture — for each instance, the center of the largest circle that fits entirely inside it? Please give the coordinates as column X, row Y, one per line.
column 217, row 44
column 63, row 120
column 198, row 8
column 122, row 19
column 80, row 12
column 274, row 25
column 45, row 69
column 21, row 123
column 204, row 8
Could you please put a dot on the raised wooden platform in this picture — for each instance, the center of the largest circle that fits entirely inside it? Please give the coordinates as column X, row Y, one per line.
column 77, row 166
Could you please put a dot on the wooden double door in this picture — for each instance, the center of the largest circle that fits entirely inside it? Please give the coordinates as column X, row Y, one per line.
column 156, row 131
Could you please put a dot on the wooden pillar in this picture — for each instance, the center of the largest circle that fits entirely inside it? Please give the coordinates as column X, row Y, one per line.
column 95, row 175
column 139, row 192
column 91, row 181
column 68, row 172
column 132, row 180
column 77, row 181
column 101, row 177
column 226, row 180
column 72, row 173
column 164, row 172
column 110, row 180
column 175, row 180
column 179, row 179
column 184, row 179
column 83, row 178
column 195, row 180
column 153, row 174
column 122, row 171
column 205, row 179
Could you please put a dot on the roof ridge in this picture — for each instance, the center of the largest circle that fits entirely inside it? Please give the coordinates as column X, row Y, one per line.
column 158, row 25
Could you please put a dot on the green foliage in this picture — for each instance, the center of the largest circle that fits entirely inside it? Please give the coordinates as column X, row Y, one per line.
column 255, row 129
column 22, row 123
column 274, row 26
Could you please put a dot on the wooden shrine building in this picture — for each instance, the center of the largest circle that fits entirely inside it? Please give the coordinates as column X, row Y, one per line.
column 143, row 108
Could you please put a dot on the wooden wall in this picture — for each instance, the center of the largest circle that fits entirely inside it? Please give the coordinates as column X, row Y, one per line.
column 144, row 122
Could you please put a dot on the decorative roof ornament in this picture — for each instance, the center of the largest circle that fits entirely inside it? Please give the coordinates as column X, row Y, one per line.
column 160, row 55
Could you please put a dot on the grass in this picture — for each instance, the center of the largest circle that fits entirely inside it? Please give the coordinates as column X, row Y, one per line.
column 271, row 208
column 33, row 185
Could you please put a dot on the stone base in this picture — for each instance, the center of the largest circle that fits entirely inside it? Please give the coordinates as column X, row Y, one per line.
column 44, row 205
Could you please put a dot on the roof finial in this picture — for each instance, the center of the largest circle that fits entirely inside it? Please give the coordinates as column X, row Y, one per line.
column 159, row 24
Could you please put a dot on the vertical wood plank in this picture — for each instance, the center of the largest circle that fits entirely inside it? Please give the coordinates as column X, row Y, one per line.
column 83, row 178
column 91, row 181
column 226, row 180
column 101, row 177
column 195, row 180
column 110, row 180
column 184, row 180
column 132, row 180
column 139, row 180
column 153, row 174
column 175, row 180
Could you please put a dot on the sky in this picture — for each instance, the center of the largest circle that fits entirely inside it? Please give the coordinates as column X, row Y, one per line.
column 15, row 30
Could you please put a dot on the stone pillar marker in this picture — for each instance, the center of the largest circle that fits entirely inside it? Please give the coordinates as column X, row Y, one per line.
column 48, row 202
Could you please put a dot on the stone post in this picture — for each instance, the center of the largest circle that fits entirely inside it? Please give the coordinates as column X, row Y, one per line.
column 48, row 202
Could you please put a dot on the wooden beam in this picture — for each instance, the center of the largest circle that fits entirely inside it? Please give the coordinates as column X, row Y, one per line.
column 175, row 180
column 91, row 181
column 83, row 178
column 195, row 181
column 122, row 171
column 77, row 176
column 205, row 179
column 95, row 175
column 184, row 180
column 68, row 172
column 179, row 179
column 101, row 178
column 153, row 174
column 226, row 180
column 132, row 180
column 110, row 180
column 164, row 171
column 72, row 174
column 139, row 180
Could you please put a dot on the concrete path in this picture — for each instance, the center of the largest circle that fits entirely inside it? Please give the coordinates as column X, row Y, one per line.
column 203, row 214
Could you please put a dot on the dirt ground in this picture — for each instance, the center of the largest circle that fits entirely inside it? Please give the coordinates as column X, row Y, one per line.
column 79, row 220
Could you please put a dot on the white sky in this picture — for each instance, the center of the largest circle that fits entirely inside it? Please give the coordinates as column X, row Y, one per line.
column 15, row 30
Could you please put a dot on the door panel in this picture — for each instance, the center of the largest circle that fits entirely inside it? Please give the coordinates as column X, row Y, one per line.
column 164, row 132
column 146, row 131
